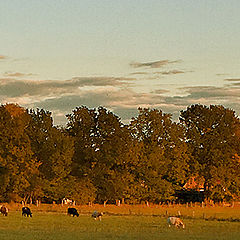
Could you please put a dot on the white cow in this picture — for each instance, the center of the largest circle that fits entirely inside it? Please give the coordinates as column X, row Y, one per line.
column 67, row 201
column 175, row 221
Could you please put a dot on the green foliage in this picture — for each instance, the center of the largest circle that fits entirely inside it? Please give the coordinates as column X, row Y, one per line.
column 98, row 158
column 83, row 192
column 54, row 149
column 100, row 148
column 162, row 161
column 16, row 156
column 212, row 136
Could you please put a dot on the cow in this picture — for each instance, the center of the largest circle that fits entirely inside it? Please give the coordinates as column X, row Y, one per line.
column 4, row 210
column 26, row 212
column 73, row 212
column 175, row 221
column 68, row 201
column 97, row 215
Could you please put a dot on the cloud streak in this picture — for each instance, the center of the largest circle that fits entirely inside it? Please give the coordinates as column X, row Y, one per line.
column 156, row 64
column 15, row 88
column 17, row 74
column 171, row 72
column 232, row 79
column 139, row 73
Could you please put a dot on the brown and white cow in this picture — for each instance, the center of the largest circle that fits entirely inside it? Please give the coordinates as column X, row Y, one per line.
column 175, row 221
column 4, row 210
column 97, row 215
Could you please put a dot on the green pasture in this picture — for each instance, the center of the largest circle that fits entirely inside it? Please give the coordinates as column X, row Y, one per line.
column 56, row 226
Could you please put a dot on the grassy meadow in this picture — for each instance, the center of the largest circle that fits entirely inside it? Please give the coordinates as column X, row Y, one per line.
column 125, row 222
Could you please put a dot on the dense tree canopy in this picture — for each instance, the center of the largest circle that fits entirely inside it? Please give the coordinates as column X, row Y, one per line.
column 213, row 139
column 98, row 158
column 162, row 163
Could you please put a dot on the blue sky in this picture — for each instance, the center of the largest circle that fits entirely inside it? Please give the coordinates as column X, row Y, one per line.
column 123, row 55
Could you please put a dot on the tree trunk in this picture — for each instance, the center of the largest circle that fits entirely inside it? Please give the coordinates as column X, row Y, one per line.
column 25, row 199
column 104, row 203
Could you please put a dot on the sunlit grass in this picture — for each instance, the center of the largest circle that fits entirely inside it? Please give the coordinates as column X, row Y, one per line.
column 47, row 226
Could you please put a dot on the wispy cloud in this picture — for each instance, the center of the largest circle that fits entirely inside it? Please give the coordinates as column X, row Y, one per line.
column 101, row 81
column 207, row 95
column 210, row 92
column 156, row 64
column 139, row 73
column 232, row 79
column 18, row 74
column 14, row 88
column 171, row 72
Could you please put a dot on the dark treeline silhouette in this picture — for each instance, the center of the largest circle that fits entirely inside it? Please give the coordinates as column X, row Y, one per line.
column 97, row 158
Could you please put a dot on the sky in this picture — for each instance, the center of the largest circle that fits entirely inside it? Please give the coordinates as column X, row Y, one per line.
column 119, row 54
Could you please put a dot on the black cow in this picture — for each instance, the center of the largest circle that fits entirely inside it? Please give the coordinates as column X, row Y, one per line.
column 26, row 212
column 73, row 212
column 4, row 210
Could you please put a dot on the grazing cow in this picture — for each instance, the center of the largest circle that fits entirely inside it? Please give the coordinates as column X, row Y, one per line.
column 26, row 212
column 68, row 201
column 97, row 215
column 73, row 212
column 175, row 221
column 4, row 210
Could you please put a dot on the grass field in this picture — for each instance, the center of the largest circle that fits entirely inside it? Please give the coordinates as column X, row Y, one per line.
column 59, row 226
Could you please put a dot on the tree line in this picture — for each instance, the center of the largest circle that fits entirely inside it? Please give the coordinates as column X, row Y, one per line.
column 97, row 158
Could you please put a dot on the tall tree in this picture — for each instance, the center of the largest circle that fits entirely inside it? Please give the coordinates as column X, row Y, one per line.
column 110, row 173
column 162, row 165
column 214, row 143
column 100, row 141
column 81, row 127
column 53, row 148
column 16, row 155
